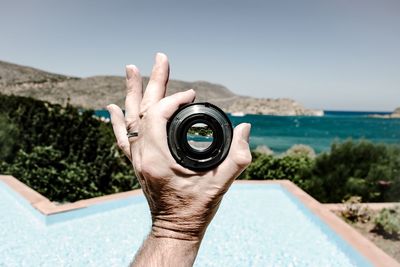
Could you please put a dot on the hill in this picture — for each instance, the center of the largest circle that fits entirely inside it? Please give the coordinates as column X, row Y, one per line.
column 394, row 115
column 98, row 91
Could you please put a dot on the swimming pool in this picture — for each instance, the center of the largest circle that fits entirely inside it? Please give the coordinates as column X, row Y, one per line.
column 257, row 225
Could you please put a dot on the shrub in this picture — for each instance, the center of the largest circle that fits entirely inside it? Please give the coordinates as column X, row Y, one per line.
column 266, row 167
column 371, row 171
column 300, row 149
column 263, row 149
column 354, row 211
column 387, row 222
column 8, row 138
column 45, row 170
column 64, row 153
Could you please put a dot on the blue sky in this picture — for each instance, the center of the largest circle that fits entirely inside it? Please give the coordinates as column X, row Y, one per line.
column 342, row 55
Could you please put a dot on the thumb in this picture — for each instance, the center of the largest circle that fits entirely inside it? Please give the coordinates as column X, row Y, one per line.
column 239, row 156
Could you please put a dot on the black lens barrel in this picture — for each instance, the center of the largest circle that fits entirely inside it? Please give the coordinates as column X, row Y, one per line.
column 199, row 113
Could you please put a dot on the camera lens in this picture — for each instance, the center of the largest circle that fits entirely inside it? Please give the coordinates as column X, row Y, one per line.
column 199, row 136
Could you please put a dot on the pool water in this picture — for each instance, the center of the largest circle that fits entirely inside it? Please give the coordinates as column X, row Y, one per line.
column 256, row 225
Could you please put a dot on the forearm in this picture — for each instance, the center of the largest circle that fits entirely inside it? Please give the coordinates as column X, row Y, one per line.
column 162, row 251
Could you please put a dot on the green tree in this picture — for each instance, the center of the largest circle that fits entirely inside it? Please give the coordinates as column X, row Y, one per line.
column 8, row 138
column 362, row 168
column 64, row 153
column 292, row 167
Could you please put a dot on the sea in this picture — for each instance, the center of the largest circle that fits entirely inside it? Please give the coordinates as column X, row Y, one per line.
column 279, row 133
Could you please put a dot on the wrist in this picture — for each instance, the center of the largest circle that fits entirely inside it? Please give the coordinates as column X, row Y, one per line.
column 160, row 251
column 191, row 228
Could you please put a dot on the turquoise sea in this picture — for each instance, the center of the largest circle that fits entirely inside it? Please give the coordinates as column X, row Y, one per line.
column 281, row 132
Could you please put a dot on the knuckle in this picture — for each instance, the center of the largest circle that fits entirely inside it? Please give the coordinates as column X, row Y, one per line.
column 142, row 115
column 134, row 87
column 148, row 170
column 146, row 112
column 149, row 167
column 243, row 159
column 122, row 145
column 159, row 76
column 143, row 107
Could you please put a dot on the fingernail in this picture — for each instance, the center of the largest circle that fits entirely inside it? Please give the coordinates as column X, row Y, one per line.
column 159, row 56
column 246, row 132
column 129, row 69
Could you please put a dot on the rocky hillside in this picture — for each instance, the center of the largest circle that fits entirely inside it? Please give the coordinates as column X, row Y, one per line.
column 99, row 91
column 395, row 115
column 281, row 106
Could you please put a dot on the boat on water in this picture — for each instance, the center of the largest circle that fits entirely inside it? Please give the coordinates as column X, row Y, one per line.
column 238, row 114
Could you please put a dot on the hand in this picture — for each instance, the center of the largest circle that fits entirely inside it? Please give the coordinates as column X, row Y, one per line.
column 182, row 202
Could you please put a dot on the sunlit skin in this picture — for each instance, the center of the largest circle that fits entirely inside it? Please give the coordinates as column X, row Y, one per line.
column 182, row 202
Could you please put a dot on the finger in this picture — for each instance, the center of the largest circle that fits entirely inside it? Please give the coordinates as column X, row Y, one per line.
column 155, row 122
column 133, row 98
column 119, row 128
column 239, row 156
column 156, row 87
column 168, row 105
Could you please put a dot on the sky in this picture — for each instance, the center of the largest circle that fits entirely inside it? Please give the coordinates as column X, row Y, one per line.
column 332, row 55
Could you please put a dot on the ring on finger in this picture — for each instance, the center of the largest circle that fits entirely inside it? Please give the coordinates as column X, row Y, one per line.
column 132, row 134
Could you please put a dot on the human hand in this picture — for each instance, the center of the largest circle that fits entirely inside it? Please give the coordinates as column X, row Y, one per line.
column 182, row 202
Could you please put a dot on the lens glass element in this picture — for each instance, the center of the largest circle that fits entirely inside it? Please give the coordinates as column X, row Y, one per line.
column 199, row 136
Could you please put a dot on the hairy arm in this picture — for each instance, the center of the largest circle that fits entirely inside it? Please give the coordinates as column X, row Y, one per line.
column 161, row 251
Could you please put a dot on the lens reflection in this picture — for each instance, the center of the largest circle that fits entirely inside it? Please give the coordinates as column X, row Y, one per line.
column 199, row 136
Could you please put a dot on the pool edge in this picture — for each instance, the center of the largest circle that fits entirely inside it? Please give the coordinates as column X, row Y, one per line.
column 47, row 208
column 363, row 245
column 360, row 243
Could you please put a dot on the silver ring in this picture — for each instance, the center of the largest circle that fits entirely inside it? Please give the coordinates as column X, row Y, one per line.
column 132, row 134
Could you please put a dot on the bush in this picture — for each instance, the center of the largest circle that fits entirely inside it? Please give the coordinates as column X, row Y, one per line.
column 354, row 212
column 63, row 153
column 387, row 222
column 45, row 170
column 371, row 171
column 301, row 150
column 266, row 167
column 263, row 149
column 8, row 138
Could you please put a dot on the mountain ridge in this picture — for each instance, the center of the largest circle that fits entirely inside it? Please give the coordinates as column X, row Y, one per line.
column 96, row 92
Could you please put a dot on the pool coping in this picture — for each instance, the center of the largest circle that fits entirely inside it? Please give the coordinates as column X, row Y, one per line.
column 47, row 208
column 364, row 246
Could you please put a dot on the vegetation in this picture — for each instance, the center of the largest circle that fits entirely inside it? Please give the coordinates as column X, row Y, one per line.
column 301, row 150
column 370, row 171
column 354, row 211
column 202, row 131
column 379, row 226
column 263, row 149
column 8, row 130
column 265, row 166
column 60, row 152
column 387, row 222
